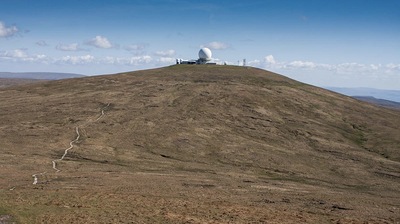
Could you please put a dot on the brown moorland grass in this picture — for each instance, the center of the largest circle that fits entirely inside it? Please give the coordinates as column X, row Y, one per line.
column 196, row 144
column 6, row 82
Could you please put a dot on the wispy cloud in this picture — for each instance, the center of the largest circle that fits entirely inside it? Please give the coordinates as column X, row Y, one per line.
column 42, row 43
column 20, row 55
column 393, row 67
column 270, row 63
column 14, row 54
column 76, row 60
column 347, row 74
column 137, row 60
column 7, row 31
column 167, row 53
column 270, row 59
column 69, row 47
column 167, row 60
column 100, row 42
column 301, row 65
column 215, row 45
column 136, row 47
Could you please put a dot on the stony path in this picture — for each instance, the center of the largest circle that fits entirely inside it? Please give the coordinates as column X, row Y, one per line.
column 71, row 146
column 66, row 150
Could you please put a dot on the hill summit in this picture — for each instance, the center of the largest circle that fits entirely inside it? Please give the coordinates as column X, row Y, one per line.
column 195, row 144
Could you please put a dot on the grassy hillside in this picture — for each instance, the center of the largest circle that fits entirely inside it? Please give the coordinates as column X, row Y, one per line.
column 195, row 144
column 6, row 82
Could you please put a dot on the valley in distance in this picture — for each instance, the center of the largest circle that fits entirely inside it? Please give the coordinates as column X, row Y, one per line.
column 195, row 144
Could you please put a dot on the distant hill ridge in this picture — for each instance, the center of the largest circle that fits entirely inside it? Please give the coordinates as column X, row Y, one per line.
column 392, row 95
column 39, row 75
column 380, row 102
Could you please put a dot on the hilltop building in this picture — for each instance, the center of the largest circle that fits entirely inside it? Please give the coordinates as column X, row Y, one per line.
column 204, row 58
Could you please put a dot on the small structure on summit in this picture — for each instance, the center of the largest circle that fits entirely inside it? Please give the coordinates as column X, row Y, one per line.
column 204, row 58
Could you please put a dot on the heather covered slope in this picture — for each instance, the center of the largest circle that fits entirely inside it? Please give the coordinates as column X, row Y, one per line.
column 196, row 144
column 7, row 82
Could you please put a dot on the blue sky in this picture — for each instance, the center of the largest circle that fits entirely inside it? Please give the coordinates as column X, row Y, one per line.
column 352, row 43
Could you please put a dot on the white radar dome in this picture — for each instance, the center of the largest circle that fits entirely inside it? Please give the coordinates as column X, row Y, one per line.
column 205, row 54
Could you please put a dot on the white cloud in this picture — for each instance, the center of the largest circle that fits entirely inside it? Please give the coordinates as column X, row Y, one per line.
column 301, row 64
column 100, row 42
column 7, row 31
column 140, row 60
column 41, row 56
column 270, row 59
column 167, row 60
column 77, row 60
column 18, row 53
column 115, row 60
column 350, row 74
column 68, row 47
column 374, row 67
column 349, row 68
column 167, row 53
column 21, row 56
column 137, row 60
column 392, row 67
column 255, row 63
column 270, row 62
column 216, row 45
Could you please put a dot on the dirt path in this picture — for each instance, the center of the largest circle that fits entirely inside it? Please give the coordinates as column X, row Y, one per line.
column 66, row 150
column 35, row 178
column 71, row 146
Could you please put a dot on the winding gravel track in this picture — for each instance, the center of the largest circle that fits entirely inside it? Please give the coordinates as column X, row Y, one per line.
column 66, row 150
column 71, row 146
